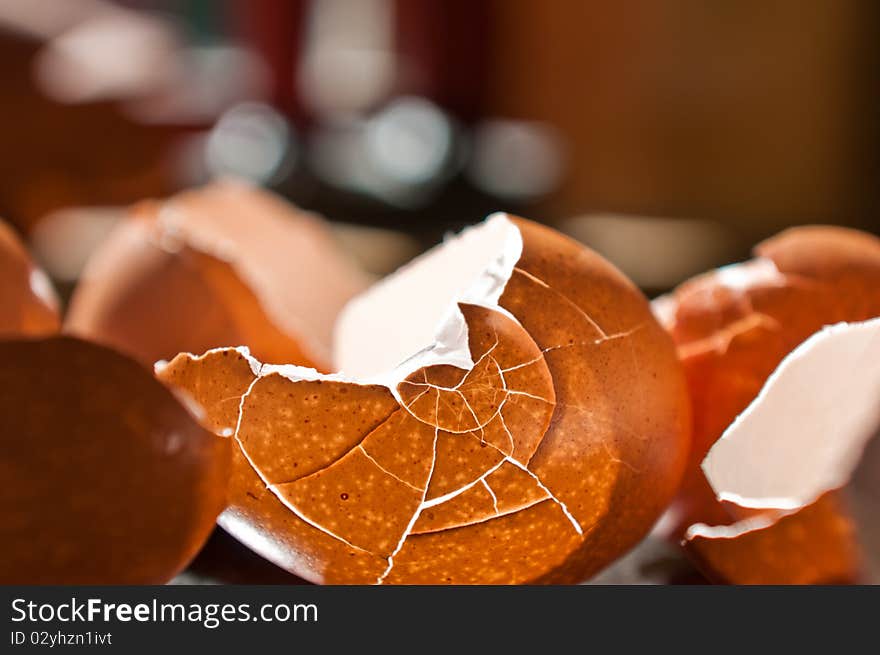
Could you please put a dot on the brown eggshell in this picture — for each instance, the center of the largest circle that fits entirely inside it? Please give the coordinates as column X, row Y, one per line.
column 548, row 458
column 107, row 477
column 28, row 305
column 733, row 327
column 815, row 544
column 224, row 265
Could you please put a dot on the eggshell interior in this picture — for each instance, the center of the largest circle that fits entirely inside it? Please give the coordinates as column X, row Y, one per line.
column 228, row 264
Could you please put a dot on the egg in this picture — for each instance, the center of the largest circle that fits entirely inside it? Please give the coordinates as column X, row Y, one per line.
column 504, row 409
column 107, row 476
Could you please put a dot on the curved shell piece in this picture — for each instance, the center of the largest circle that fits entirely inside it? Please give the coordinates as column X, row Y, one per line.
column 28, row 305
column 107, row 477
column 225, row 265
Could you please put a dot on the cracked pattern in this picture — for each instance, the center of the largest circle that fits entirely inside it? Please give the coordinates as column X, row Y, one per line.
column 507, row 472
column 314, row 423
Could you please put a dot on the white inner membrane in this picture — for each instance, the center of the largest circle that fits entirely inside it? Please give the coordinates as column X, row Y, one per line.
column 805, row 432
column 411, row 318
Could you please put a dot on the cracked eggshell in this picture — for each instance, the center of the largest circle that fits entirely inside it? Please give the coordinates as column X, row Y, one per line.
column 733, row 327
column 225, row 265
column 107, row 477
column 28, row 305
column 508, row 411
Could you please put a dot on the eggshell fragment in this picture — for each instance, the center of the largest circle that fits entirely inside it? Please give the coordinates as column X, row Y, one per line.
column 224, row 265
column 815, row 544
column 507, row 411
column 107, row 477
column 821, row 400
column 733, row 328
column 28, row 305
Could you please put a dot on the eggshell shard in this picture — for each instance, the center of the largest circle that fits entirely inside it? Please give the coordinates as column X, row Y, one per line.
column 733, row 328
column 508, row 411
column 28, row 305
column 815, row 544
column 829, row 385
column 224, row 265
column 107, row 477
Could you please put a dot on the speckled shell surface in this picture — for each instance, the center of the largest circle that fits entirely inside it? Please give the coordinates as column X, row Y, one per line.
column 549, row 458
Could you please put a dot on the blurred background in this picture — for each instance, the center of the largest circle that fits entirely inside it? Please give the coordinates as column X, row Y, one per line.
column 668, row 135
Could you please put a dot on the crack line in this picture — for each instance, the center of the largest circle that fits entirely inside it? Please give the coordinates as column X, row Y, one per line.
column 509, row 435
column 341, row 455
column 416, row 398
column 587, row 317
column 491, row 517
column 458, row 386
column 568, row 514
column 386, row 471
column 418, row 512
column 439, row 500
column 529, row 395
column 273, row 488
column 479, row 427
column 524, row 364
column 491, row 493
